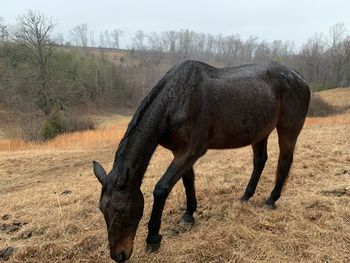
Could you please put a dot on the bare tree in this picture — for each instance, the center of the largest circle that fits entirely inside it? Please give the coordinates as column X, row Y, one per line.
column 107, row 39
column 249, row 48
column 34, row 34
column 138, row 40
column 73, row 38
column 92, row 39
column 154, row 42
column 171, row 37
column 262, row 52
column 102, row 39
column 59, row 39
column 312, row 53
column 116, row 34
column 185, row 42
column 79, row 35
column 3, row 30
column 346, row 58
column 336, row 34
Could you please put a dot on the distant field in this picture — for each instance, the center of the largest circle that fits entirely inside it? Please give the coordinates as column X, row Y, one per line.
column 51, row 192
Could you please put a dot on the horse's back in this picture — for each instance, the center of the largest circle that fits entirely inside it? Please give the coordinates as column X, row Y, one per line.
column 234, row 107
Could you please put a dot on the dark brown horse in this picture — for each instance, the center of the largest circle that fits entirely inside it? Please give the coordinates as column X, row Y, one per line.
column 193, row 108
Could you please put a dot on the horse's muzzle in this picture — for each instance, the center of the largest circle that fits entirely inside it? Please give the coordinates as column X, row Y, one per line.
column 119, row 258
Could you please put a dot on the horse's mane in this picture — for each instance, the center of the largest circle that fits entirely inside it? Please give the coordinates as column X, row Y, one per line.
column 146, row 102
column 140, row 112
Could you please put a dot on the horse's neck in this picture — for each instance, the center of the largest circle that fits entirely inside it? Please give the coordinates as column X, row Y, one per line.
column 141, row 145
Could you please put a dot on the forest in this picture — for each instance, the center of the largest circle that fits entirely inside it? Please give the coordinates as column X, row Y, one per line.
column 42, row 74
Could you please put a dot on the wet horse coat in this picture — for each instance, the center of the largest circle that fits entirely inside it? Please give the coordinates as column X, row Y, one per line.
column 193, row 108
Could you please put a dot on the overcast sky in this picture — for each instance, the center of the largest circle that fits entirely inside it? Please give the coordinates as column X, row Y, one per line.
column 268, row 19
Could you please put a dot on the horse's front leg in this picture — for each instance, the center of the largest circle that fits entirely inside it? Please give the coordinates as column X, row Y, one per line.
column 178, row 168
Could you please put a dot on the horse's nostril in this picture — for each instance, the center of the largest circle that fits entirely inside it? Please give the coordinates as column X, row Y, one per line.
column 120, row 257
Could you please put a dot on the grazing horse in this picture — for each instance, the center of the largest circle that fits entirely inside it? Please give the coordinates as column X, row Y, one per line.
column 193, row 108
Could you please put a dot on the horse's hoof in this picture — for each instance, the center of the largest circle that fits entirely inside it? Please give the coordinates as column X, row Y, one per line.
column 151, row 248
column 270, row 206
column 153, row 243
column 243, row 200
column 186, row 220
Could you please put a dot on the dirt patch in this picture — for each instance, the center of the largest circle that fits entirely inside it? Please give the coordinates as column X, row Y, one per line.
column 6, row 217
column 13, row 227
column 337, row 192
column 66, row 192
column 6, row 253
column 342, row 172
column 26, row 234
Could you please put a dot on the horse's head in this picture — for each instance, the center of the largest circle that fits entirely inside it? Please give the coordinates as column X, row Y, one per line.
column 122, row 206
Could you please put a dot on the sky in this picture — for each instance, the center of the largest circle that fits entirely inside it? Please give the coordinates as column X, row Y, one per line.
column 270, row 20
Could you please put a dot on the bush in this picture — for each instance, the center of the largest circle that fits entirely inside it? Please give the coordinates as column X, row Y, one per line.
column 58, row 123
column 53, row 126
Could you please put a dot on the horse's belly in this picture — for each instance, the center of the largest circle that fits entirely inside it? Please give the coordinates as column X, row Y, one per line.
column 240, row 132
column 229, row 141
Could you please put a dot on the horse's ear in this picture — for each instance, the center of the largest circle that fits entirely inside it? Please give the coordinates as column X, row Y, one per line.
column 99, row 172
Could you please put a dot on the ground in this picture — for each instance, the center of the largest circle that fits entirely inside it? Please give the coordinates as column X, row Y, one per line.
column 49, row 199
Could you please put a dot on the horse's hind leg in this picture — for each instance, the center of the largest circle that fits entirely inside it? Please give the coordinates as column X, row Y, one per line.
column 188, row 181
column 259, row 160
column 286, row 141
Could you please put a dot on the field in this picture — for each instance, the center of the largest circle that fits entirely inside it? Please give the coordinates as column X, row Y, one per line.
column 49, row 198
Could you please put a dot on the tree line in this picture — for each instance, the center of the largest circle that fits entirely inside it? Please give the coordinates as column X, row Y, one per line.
column 324, row 60
column 42, row 73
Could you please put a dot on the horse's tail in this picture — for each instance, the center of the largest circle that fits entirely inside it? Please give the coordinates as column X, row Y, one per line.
column 282, row 74
column 299, row 78
column 293, row 90
column 287, row 78
column 302, row 85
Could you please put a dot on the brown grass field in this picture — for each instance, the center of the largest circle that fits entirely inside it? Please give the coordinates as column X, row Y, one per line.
column 51, row 196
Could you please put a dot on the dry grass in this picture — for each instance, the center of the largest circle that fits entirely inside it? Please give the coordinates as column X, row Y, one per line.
column 83, row 140
column 51, row 187
column 338, row 96
column 342, row 119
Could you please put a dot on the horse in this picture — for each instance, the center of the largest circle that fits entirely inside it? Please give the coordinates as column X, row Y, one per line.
column 193, row 108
